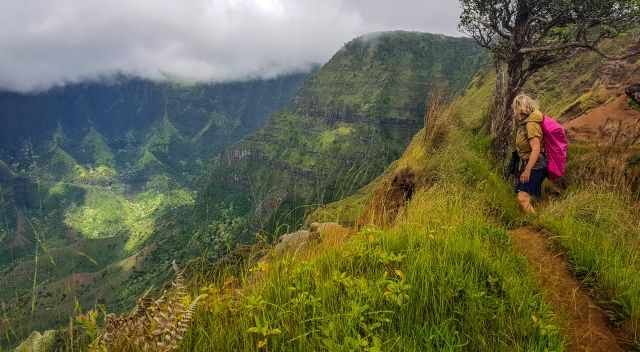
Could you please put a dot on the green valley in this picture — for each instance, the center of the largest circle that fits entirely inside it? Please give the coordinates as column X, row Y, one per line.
column 89, row 172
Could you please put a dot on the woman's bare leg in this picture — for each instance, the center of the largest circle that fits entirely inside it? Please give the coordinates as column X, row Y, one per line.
column 524, row 199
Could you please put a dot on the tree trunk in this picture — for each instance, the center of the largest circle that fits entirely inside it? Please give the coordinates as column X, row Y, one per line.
column 508, row 85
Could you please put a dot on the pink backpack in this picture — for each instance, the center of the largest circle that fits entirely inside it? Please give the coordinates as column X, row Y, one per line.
column 556, row 147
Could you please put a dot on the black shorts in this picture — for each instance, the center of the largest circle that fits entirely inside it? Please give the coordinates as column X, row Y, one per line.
column 534, row 186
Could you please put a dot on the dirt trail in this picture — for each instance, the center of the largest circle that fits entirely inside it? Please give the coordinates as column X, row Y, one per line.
column 585, row 324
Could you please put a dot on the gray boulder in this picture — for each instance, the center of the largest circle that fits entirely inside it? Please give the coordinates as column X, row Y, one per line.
column 295, row 242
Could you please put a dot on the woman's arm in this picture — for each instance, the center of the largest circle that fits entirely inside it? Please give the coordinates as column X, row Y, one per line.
column 533, row 159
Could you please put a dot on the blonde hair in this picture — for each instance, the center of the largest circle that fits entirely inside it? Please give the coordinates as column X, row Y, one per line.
column 524, row 105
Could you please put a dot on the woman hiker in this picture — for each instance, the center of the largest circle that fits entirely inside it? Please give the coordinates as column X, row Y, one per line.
column 532, row 169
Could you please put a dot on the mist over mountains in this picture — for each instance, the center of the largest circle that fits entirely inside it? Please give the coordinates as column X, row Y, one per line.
column 52, row 43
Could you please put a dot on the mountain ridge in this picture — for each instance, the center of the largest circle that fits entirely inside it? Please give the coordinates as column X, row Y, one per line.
column 346, row 122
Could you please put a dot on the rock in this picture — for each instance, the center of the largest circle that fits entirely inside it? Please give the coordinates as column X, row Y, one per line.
column 320, row 228
column 295, row 242
column 633, row 92
column 298, row 241
column 389, row 199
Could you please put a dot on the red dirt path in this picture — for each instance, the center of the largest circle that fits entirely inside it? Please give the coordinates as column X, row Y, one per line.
column 583, row 322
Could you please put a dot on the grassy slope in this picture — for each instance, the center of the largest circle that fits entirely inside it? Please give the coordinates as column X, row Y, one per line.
column 598, row 227
column 595, row 223
column 442, row 278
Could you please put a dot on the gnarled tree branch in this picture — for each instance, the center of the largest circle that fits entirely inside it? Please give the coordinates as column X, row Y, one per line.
column 578, row 45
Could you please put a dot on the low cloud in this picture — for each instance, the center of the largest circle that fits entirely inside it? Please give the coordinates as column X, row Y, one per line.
column 54, row 42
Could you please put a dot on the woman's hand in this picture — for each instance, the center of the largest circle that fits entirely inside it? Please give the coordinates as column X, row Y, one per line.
column 526, row 176
column 533, row 159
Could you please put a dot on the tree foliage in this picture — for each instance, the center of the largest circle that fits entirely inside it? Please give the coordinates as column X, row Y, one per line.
column 543, row 28
column 526, row 35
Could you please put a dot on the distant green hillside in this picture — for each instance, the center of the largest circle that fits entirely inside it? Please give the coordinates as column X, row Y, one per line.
column 388, row 76
column 89, row 172
column 350, row 120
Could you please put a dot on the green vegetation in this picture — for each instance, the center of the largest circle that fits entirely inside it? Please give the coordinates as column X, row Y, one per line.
column 443, row 277
column 95, row 147
column 101, row 175
column 60, row 165
column 415, row 288
column 338, row 135
column 387, row 75
column 102, row 216
column 351, row 119
column 163, row 136
column 105, row 214
column 438, row 274
column 600, row 232
column 96, row 183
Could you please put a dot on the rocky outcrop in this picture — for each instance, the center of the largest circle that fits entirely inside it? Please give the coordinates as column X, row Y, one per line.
column 295, row 242
column 298, row 241
column 390, row 198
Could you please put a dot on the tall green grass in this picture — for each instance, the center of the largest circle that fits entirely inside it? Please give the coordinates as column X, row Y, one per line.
column 443, row 285
column 601, row 234
column 443, row 278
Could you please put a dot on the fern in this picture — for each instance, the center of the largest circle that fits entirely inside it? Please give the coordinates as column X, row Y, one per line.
column 155, row 325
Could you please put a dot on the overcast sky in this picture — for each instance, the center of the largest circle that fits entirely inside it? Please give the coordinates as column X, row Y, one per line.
column 52, row 42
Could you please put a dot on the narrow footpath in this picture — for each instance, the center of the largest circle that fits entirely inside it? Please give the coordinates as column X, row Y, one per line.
column 583, row 321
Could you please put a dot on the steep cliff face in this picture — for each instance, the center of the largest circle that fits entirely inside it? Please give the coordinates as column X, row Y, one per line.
column 350, row 120
column 89, row 171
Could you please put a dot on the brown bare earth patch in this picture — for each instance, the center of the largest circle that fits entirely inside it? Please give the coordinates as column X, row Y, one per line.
column 389, row 198
column 601, row 123
column 583, row 321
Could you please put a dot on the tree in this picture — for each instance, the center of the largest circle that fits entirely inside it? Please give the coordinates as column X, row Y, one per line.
column 526, row 35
